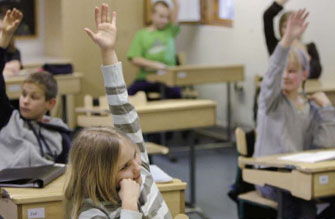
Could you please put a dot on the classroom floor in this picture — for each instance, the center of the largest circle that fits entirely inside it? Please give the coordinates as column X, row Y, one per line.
column 215, row 172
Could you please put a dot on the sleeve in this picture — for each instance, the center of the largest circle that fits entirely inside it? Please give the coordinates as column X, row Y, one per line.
column 324, row 129
column 136, row 47
column 271, row 83
column 268, row 17
column 92, row 213
column 173, row 29
column 123, row 113
column 315, row 64
column 125, row 214
column 6, row 109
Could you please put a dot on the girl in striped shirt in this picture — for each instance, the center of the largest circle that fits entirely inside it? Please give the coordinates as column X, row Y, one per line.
column 109, row 174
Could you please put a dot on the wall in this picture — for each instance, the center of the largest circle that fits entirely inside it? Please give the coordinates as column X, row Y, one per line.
column 245, row 43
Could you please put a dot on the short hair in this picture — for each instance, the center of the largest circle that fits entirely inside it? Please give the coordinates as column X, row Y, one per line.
column 299, row 59
column 155, row 4
column 46, row 81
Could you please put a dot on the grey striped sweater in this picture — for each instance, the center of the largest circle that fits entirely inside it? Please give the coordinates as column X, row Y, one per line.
column 151, row 203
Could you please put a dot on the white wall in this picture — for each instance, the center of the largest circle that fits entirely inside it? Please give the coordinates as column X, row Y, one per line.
column 34, row 47
column 245, row 43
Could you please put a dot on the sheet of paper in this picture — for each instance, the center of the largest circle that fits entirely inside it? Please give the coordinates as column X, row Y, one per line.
column 159, row 175
column 310, row 157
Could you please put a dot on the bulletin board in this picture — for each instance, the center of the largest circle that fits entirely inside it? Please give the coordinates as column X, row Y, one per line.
column 29, row 24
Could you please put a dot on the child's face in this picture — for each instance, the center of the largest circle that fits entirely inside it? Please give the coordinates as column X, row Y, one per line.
column 160, row 17
column 129, row 164
column 292, row 77
column 33, row 104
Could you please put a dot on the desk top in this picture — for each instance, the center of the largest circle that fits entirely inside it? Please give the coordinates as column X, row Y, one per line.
column 274, row 161
column 54, row 191
column 20, row 78
column 198, row 74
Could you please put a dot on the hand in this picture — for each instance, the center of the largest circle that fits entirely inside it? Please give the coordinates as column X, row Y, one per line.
column 321, row 99
column 129, row 194
column 10, row 23
column 105, row 35
column 296, row 26
column 281, row 2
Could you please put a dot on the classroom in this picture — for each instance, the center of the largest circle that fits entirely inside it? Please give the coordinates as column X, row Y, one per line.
column 238, row 114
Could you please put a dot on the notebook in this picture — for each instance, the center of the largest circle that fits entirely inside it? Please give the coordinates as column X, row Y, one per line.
column 159, row 175
column 311, row 157
column 30, row 177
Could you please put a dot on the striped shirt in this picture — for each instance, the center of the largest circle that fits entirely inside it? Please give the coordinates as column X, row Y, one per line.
column 151, row 203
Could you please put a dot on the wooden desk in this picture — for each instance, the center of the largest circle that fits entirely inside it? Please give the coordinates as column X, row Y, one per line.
column 304, row 180
column 202, row 74
column 163, row 115
column 22, row 202
column 68, row 86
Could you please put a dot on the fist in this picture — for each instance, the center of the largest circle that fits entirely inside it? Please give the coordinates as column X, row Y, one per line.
column 129, row 194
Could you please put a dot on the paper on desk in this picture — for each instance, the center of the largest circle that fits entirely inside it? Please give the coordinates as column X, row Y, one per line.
column 159, row 175
column 310, row 157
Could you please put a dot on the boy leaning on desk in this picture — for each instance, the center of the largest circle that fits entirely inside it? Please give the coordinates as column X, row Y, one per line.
column 28, row 137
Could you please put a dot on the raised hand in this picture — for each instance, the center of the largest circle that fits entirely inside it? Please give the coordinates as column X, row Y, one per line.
column 105, row 35
column 296, row 26
column 10, row 23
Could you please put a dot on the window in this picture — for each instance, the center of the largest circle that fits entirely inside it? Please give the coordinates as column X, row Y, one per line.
column 209, row 12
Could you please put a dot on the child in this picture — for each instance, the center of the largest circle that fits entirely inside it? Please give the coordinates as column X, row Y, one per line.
column 28, row 137
column 287, row 122
column 272, row 41
column 109, row 174
column 153, row 49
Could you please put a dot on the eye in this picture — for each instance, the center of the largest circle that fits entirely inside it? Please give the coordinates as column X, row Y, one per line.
column 124, row 167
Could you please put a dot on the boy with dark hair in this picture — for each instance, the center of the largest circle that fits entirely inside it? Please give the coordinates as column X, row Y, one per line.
column 28, row 137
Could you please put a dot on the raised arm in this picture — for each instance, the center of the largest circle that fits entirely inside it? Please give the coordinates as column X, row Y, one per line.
column 175, row 12
column 271, row 84
column 10, row 23
column 268, row 17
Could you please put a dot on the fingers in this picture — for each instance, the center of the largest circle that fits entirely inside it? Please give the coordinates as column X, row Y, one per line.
column 114, row 14
column 97, row 16
column 90, row 33
column 104, row 12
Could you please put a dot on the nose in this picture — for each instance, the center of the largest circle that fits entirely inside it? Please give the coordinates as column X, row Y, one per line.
column 137, row 166
column 26, row 100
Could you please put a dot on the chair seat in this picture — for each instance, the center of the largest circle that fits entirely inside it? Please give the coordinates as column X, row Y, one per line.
column 255, row 197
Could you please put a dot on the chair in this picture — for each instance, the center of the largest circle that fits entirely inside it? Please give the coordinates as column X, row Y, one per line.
column 249, row 202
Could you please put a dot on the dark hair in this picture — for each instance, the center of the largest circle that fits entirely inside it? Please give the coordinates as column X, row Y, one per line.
column 46, row 81
column 163, row 3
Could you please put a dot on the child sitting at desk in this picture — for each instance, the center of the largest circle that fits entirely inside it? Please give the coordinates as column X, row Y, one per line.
column 109, row 169
column 28, row 137
column 287, row 121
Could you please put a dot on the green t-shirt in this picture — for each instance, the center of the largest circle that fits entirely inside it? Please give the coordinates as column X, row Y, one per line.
column 157, row 45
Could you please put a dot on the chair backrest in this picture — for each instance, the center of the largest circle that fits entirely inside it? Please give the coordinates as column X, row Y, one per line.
column 241, row 141
column 181, row 216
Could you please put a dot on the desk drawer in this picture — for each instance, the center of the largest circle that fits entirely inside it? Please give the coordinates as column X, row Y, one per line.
column 324, row 184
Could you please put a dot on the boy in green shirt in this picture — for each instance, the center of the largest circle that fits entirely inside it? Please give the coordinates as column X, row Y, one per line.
column 153, row 49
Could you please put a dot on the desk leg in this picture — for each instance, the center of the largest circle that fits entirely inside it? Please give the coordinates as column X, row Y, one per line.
column 228, row 112
column 70, row 115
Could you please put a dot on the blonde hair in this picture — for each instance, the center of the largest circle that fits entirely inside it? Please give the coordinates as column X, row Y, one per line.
column 299, row 59
column 92, row 168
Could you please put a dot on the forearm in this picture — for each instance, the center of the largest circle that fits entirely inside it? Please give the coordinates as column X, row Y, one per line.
column 148, row 64
column 268, row 17
column 123, row 113
column 175, row 12
column 109, row 57
column 4, row 39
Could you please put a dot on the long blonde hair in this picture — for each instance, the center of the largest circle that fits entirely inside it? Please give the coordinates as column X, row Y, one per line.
column 92, row 168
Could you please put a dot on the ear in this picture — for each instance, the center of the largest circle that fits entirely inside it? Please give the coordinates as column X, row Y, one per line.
column 51, row 103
